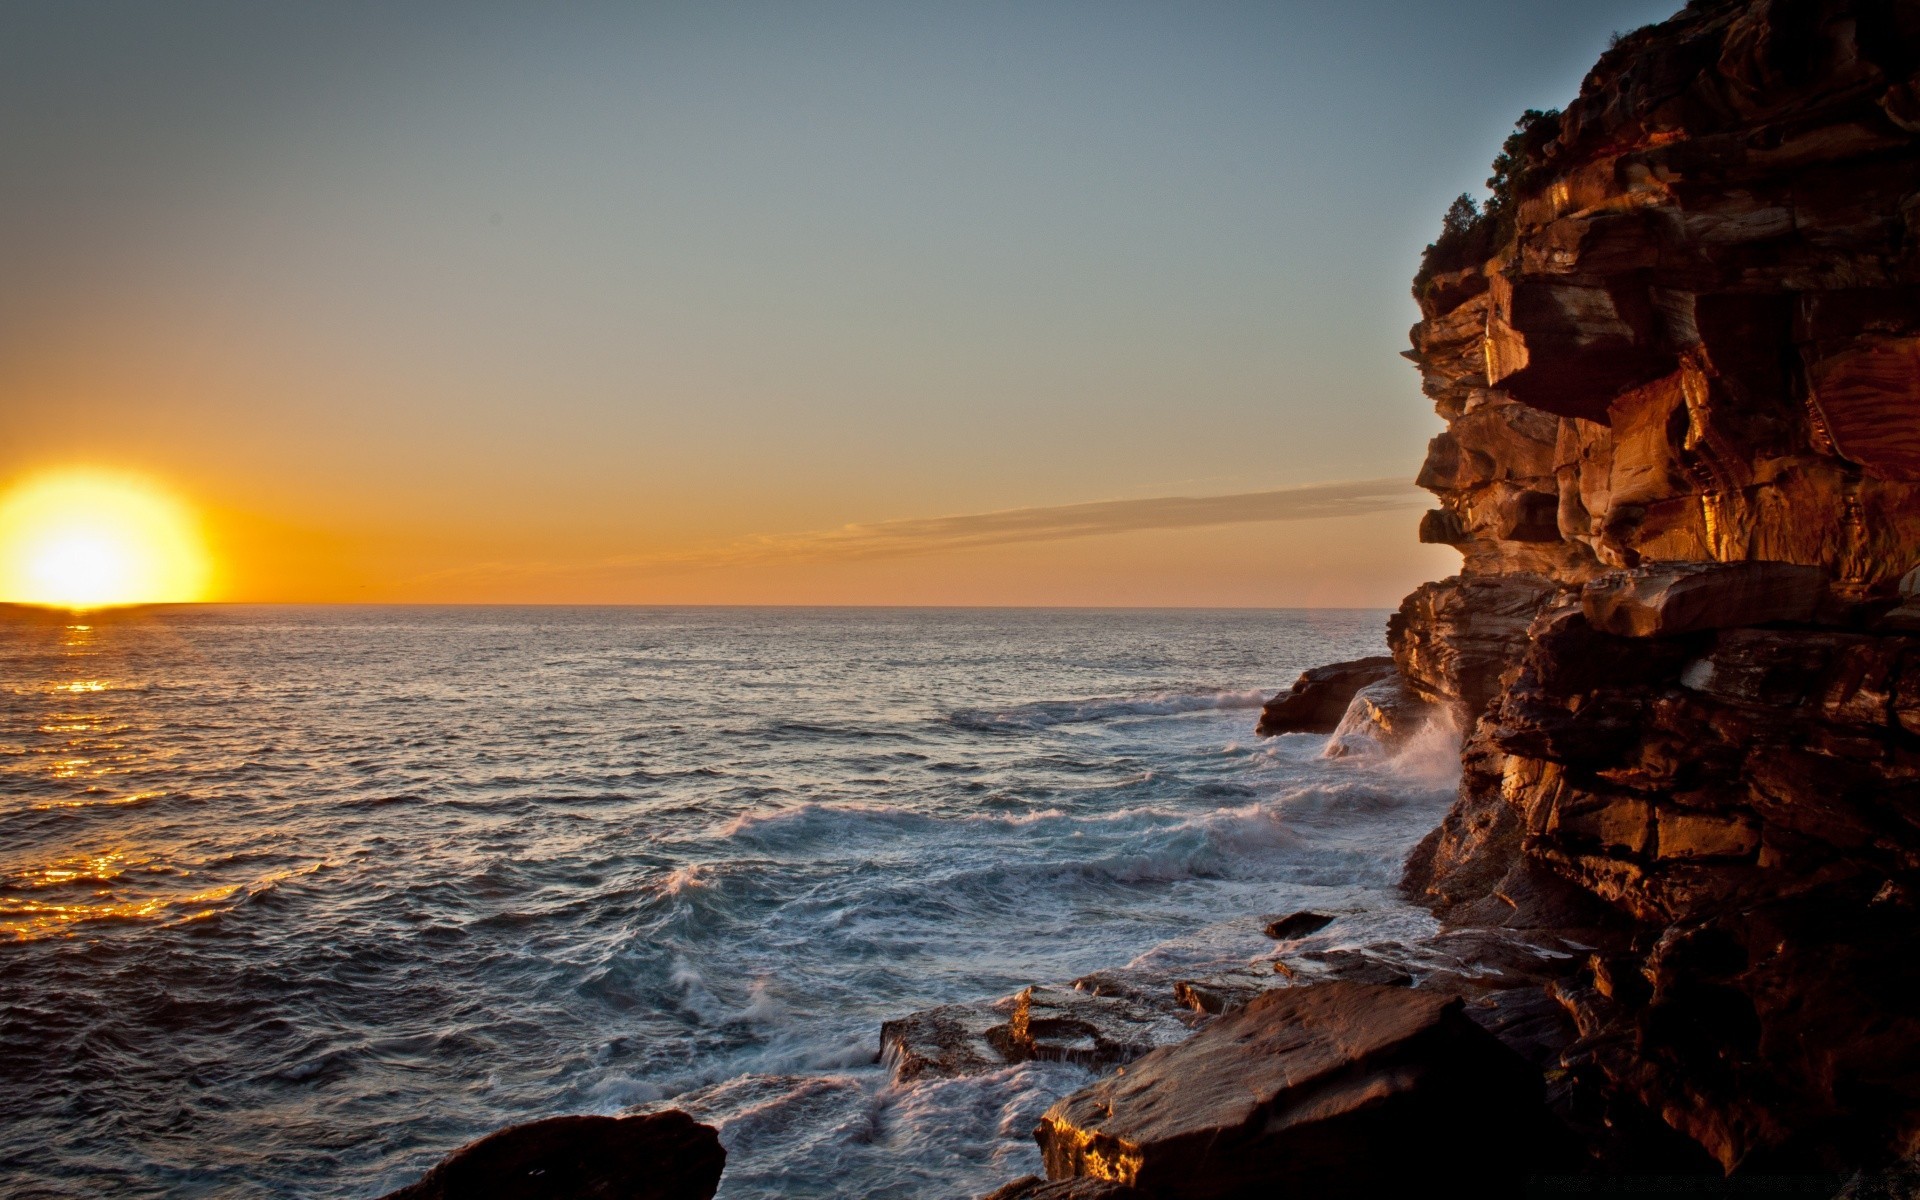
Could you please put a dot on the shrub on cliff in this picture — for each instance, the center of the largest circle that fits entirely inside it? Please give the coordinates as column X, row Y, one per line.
column 1470, row 234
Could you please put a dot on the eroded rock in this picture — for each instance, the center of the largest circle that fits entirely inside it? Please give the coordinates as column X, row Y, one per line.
column 1693, row 713
column 1319, row 698
column 1675, row 598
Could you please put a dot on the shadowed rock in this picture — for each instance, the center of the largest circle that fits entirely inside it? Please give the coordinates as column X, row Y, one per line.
column 1296, row 925
column 1319, row 698
column 659, row 1156
column 1335, row 1089
column 1675, row 598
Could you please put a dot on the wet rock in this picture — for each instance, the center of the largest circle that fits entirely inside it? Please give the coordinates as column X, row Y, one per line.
column 658, row 1156
column 1353, row 966
column 1061, row 1025
column 1381, row 717
column 1046, row 1024
column 1675, row 598
column 1211, row 995
column 1302, row 1092
column 1296, row 925
column 1319, row 698
column 949, row 1040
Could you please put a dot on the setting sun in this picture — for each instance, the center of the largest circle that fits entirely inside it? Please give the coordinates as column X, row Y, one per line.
column 92, row 539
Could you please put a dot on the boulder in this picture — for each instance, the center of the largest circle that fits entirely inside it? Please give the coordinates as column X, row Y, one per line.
column 1319, row 698
column 658, row 1156
column 1334, row 1089
column 1676, row 598
column 1296, row 925
column 1381, row 716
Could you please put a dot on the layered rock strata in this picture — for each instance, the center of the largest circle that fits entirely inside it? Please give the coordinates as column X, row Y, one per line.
column 1679, row 364
column 1682, row 466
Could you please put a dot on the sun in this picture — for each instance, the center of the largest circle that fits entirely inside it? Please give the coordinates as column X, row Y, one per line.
column 84, row 538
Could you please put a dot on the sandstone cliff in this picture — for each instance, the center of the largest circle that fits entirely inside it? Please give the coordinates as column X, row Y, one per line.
column 1679, row 363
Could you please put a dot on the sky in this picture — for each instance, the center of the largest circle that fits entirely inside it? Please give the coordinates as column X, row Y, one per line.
column 789, row 303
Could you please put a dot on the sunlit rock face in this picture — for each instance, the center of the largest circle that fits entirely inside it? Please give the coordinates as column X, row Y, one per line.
column 1682, row 465
column 1703, row 340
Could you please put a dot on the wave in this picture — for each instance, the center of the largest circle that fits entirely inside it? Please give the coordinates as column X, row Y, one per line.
column 1042, row 714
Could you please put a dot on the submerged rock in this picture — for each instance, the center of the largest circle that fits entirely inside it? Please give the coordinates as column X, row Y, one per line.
column 1335, row 1089
column 1319, row 698
column 658, row 1156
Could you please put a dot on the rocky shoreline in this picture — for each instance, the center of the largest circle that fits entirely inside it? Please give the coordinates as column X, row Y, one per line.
column 1678, row 358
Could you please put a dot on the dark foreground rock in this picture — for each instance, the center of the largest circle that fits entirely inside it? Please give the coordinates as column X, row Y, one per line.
column 1296, row 925
column 659, row 1156
column 1335, row 1089
column 1319, row 698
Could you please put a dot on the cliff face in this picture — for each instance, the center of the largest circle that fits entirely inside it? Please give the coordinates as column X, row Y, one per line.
column 1682, row 465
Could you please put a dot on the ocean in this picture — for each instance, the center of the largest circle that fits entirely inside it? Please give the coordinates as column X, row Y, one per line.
column 293, row 901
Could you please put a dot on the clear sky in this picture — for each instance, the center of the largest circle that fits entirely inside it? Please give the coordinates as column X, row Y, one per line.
column 1022, row 303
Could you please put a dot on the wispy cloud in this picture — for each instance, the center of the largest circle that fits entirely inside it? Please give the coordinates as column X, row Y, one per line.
column 917, row 536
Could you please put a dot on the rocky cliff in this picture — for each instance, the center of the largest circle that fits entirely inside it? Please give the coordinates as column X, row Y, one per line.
column 1679, row 363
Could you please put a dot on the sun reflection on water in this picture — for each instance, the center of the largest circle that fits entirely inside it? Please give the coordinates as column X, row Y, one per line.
column 64, row 880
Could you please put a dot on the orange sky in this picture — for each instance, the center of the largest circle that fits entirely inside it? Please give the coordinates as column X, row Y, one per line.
column 753, row 303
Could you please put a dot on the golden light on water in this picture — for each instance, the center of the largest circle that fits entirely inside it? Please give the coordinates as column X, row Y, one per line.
column 84, row 539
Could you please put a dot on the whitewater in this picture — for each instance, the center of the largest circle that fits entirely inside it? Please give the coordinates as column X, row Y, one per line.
column 293, row 901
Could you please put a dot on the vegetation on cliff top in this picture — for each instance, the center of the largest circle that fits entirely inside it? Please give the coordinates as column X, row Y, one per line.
column 1469, row 233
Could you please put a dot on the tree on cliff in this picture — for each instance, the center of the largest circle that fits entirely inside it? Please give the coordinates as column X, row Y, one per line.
column 1469, row 234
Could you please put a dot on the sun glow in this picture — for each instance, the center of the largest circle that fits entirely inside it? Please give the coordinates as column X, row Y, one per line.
column 84, row 539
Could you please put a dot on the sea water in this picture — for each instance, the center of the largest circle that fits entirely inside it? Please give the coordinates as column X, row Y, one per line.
column 293, row 901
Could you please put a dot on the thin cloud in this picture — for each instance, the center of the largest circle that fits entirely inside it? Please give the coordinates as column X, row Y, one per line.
column 917, row 536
